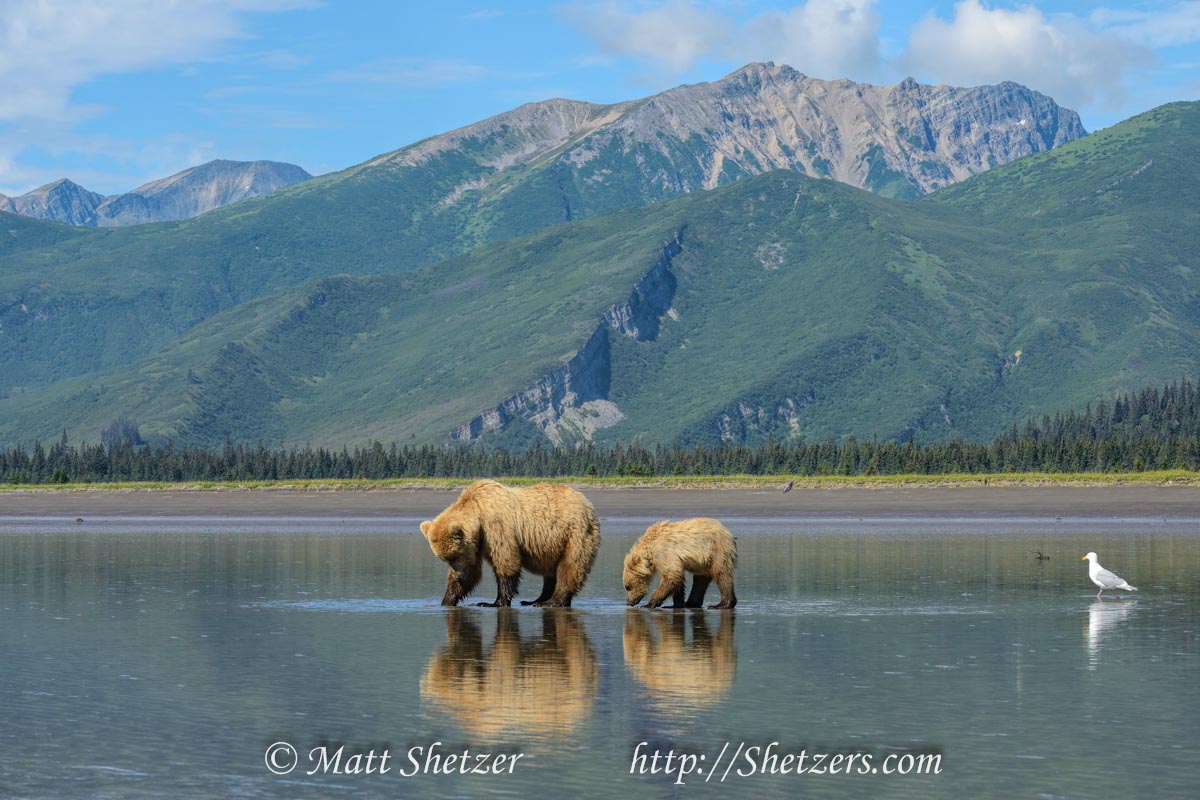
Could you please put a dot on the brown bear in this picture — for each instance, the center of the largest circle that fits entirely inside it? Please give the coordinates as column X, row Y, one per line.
column 548, row 529
column 701, row 546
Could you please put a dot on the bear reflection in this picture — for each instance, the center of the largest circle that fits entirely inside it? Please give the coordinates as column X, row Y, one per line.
column 682, row 672
column 539, row 687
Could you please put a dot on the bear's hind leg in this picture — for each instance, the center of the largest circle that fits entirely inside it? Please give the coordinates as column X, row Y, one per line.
column 576, row 563
column 725, row 584
column 548, row 584
column 699, row 588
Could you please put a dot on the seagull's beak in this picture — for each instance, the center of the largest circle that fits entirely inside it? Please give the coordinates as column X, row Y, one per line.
column 1083, row 559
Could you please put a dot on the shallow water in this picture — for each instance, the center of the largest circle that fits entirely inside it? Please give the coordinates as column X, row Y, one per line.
column 151, row 659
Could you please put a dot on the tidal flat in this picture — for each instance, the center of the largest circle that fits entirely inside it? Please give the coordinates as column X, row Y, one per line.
column 162, row 645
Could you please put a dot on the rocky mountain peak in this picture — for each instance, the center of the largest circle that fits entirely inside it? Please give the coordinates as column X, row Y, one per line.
column 62, row 200
column 180, row 196
column 757, row 73
column 902, row 140
column 198, row 189
column 514, row 137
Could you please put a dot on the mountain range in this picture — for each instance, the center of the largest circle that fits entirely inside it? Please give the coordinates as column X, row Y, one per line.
column 899, row 141
column 103, row 299
column 547, row 301
column 183, row 195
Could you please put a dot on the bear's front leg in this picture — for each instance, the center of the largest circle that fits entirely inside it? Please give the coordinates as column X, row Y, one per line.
column 677, row 598
column 672, row 582
column 507, row 587
column 461, row 584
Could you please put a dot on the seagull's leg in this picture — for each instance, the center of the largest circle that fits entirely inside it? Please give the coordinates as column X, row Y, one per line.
column 1100, row 595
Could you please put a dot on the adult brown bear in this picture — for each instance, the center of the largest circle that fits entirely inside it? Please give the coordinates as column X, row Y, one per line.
column 549, row 529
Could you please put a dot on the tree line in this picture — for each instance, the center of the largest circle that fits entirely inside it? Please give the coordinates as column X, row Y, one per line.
column 1156, row 428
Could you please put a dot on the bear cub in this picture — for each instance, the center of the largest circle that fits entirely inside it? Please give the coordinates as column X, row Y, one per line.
column 701, row 546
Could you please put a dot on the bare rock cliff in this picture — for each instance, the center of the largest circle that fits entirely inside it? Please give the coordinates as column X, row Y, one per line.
column 196, row 190
column 903, row 140
column 572, row 401
column 900, row 140
column 62, row 201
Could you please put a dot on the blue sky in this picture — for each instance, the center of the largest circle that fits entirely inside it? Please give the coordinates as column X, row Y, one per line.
column 112, row 93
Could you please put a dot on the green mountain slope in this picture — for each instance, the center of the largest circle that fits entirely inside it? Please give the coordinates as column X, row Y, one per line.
column 1093, row 175
column 1109, row 227
column 72, row 305
column 778, row 306
column 349, row 356
column 19, row 235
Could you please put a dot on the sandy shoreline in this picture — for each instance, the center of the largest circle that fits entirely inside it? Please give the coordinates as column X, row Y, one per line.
column 1128, row 501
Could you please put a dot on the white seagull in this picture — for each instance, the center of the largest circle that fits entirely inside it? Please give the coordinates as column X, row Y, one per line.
column 1103, row 578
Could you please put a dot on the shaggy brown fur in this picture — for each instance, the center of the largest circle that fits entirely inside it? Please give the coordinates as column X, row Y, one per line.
column 543, row 685
column 548, row 529
column 701, row 546
column 682, row 673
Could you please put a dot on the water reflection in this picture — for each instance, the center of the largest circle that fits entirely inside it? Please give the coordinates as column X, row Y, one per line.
column 140, row 663
column 534, row 688
column 678, row 659
column 1103, row 618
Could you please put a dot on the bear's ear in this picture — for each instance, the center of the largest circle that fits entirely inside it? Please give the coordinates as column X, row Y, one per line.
column 425, row 527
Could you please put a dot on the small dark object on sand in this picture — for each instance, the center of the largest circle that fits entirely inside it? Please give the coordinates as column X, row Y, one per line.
column 78, row 520
column 1041, row 557
column 789, row 486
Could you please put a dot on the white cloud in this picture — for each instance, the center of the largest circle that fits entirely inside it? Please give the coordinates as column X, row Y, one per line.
column 829, row 38
column 1165, row 27
column 49, row 48
column 1083, row 61
column 1057, row 54
column 825, row 38
column 674, row 35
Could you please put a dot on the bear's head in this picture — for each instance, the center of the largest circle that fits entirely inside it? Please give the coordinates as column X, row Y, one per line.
column 452, row 542
column 636, row 577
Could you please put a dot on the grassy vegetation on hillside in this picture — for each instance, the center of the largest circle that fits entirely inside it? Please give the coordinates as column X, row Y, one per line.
column 832, row 290
column 801, row 309
column 353, row 352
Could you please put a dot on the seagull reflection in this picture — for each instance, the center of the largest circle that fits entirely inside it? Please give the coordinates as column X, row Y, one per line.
column 1102, row 618
column 683, row 674
column 533, row 688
